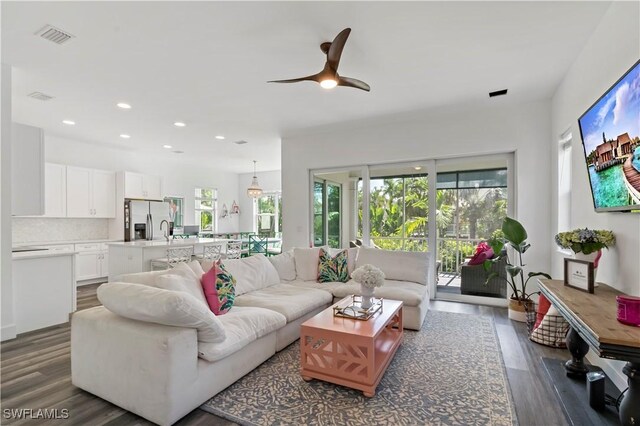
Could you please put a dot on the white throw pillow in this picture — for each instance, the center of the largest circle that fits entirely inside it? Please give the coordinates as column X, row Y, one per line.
column 397, row 265
column 285, row 265
column 306, row 260
column 150, row 304
column 179, row 283
column 252, row 273
column 195, row 266
column 191, row 281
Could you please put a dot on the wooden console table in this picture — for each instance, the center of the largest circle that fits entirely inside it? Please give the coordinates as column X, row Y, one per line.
column 593, row 324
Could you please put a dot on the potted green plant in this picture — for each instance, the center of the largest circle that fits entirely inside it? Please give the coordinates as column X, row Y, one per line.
column 515, row 237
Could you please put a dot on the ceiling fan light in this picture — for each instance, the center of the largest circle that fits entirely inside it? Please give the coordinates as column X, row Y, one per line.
column 329, row 83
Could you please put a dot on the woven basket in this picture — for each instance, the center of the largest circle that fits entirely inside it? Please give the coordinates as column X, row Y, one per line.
column 552, row 330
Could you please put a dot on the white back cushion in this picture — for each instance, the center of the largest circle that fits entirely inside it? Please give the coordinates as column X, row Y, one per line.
column 306, row 260
column 150, row 304
column 252, row 273
column 285, row 265
column 397, row 265
column 352, row 254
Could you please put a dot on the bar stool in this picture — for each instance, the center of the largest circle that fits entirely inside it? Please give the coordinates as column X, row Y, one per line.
column 234, row 249
column 211, row 251
column 175, row 256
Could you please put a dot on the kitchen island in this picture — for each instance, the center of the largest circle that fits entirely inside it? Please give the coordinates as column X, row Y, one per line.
column 136, row 256
column 44, row 283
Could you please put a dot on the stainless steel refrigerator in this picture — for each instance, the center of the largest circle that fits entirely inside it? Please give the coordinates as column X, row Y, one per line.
column 142, row 219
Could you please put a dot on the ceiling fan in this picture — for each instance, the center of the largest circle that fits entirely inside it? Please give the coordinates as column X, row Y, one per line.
column 329, row 77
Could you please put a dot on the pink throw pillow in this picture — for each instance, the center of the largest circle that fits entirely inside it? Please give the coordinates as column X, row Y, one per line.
column 219, row 289
column 480, row 257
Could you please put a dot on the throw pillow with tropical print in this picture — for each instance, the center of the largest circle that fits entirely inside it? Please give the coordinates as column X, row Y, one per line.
column 332, row 269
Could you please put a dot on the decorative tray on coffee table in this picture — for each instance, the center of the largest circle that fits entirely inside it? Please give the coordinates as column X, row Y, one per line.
column 354, row 310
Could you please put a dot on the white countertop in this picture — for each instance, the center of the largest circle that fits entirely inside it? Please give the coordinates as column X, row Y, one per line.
column 40, row 254
column 170, row 243
column 58, row 243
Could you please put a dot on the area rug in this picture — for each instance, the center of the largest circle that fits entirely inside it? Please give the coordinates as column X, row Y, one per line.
column 449, row 373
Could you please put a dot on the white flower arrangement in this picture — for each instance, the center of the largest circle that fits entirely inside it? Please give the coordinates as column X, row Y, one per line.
column 368, row 276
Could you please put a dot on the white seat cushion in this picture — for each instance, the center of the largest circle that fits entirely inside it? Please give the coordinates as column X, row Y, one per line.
column 150, row 304
column 289, row 300
column 242, row 326
column 330, row 287
column 411, row 294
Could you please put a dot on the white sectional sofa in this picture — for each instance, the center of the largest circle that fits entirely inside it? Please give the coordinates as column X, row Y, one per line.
column 162, row 372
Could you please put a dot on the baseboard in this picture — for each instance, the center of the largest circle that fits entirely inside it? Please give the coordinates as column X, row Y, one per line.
column 8, row 332
column 612, row 368
column 92, row 281
column 476, row 300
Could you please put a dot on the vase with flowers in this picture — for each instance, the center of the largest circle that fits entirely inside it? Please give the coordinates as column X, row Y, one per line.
column 369, row 277
column 586, row 244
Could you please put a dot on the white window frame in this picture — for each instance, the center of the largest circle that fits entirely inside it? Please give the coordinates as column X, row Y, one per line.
column 276, row 214
column 213, row 210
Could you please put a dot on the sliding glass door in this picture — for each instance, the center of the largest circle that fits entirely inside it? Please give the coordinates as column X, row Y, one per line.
column 327, row 217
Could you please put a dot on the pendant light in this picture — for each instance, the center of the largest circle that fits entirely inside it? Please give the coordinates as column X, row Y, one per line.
column 254, row 190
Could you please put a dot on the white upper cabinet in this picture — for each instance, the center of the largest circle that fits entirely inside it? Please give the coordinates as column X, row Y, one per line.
column 27, row 170
column 104, row 193
column 141, row 186
column 55, row 190
column 91, row 193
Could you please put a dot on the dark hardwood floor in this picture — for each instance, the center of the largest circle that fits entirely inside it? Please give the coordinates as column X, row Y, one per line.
column 36, row 373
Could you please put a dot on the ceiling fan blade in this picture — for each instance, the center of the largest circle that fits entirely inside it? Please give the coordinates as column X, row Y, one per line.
column 352, row 82
column 314, row 77
column 337, row 45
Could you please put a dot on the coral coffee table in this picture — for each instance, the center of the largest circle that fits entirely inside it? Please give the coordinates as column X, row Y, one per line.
column 350, row 352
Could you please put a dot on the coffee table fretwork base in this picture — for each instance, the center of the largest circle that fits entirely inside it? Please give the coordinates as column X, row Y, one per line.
column 348, row 359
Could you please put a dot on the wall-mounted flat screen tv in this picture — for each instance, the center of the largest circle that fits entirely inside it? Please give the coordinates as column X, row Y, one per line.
column 610, row 132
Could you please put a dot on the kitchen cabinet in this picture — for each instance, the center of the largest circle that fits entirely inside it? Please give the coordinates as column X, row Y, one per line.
column 55, row 190
column 92, row 261
column 27, row 170
column 91, row 193
column 146, row 187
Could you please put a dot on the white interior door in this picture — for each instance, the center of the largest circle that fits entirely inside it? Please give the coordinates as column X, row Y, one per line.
column 79, row 192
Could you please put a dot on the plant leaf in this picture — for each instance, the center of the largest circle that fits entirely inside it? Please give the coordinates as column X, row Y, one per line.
column 513, row 230
column 490, row 276
column 513, row 270
column 537, row 274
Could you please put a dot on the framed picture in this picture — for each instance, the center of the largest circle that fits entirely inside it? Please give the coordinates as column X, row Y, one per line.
column 579, row 274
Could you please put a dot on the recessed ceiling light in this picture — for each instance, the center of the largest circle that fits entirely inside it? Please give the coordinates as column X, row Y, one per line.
column 179, row 124
column 220, row 137
column 123, row 105
column 123, row 136
column 418, row 167
column 69, row 122
column 167, row 146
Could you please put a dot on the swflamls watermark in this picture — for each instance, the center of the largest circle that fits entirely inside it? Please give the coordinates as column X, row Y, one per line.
column 36, row 413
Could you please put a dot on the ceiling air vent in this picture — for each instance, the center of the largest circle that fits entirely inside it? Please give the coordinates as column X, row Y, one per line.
column 40, row 96
column 56, row 35
column 240, row 142
column 498, row 93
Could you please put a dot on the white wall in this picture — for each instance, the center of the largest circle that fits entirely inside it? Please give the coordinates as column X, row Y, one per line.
column 606, row 57
column 269, row 182
column 179, row 177
column 490, row 127
column 7, row 320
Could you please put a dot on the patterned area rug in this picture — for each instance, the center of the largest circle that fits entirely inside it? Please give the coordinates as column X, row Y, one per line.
column 449, row 373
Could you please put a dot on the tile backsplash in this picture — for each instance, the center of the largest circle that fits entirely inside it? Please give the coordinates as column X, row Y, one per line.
column 44, row 229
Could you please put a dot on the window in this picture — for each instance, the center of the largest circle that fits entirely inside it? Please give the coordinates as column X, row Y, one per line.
column 176, row 204
column 327, row 197
column 398, row 218
column 470, row 207
column 269, row 214
column 206, row 205
column 564, row 182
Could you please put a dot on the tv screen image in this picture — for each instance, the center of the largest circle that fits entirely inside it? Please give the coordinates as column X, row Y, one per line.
column 610, row 132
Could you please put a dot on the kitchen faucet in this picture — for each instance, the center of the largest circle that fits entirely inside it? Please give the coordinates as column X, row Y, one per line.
column 166, row 231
